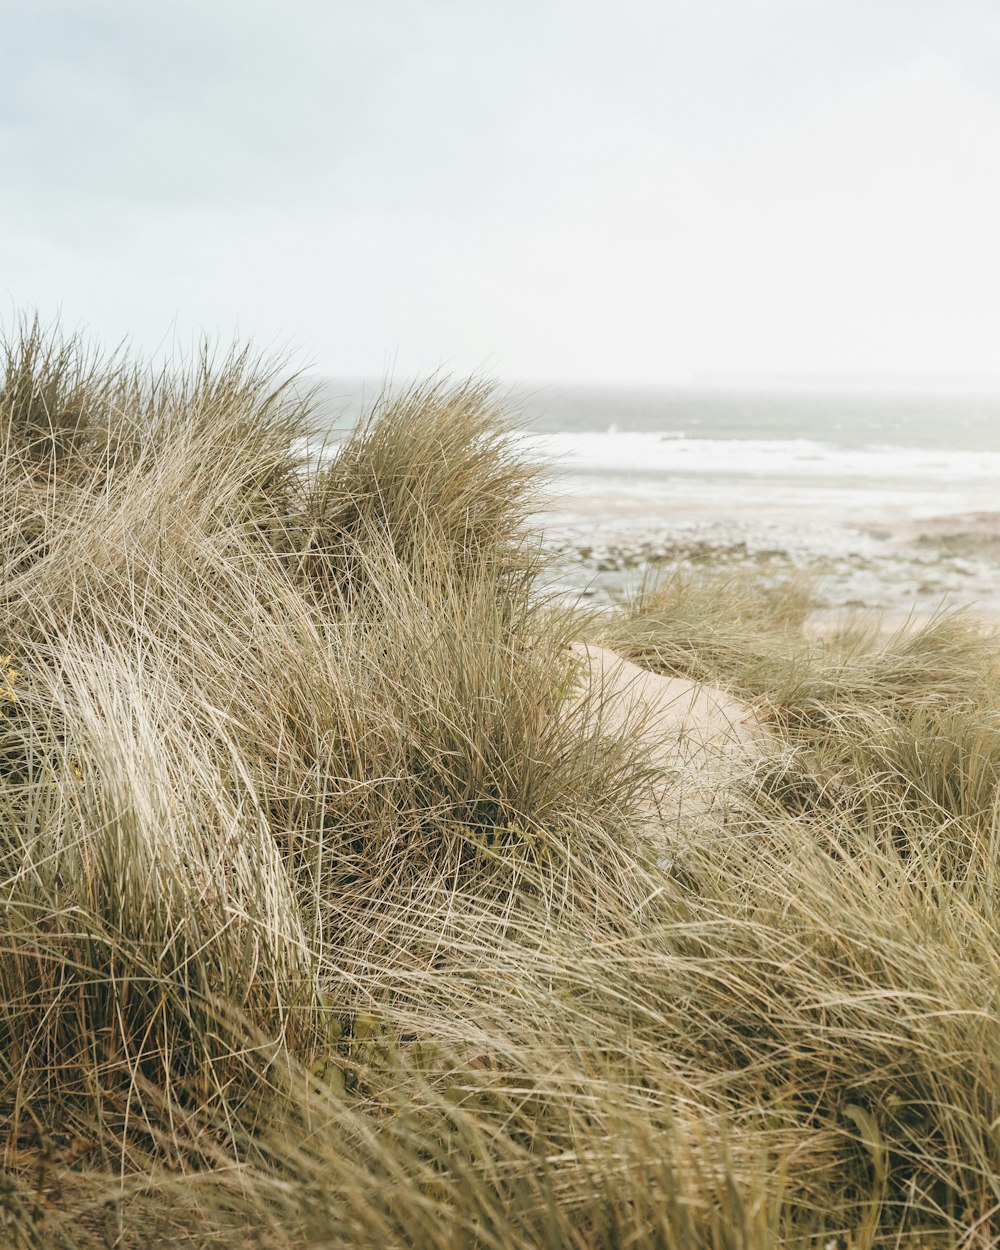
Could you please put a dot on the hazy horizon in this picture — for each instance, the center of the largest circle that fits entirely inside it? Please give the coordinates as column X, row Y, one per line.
column 862, row 384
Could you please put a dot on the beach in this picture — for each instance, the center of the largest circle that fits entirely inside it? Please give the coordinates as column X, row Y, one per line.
column 887, row 501
column 893, row 567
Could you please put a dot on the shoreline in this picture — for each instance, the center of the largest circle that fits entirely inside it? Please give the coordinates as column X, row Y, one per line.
column 897, row 566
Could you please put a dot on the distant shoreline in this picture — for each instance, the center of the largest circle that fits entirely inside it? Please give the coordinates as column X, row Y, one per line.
column 899, row 567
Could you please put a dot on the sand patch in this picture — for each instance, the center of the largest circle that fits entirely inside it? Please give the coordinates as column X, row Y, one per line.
column 699, row 735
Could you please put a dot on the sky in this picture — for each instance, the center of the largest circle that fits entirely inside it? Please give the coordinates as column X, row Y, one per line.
column 644, row 191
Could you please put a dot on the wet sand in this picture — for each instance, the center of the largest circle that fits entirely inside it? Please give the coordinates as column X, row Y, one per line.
column 894, row 566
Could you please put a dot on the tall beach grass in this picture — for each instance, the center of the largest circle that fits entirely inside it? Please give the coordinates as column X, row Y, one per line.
column 331, row 911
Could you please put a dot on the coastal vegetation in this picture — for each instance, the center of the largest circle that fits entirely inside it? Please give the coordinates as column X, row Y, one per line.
column 333, row 913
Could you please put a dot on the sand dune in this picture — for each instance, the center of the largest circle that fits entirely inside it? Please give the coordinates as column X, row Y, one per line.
column 698, row 733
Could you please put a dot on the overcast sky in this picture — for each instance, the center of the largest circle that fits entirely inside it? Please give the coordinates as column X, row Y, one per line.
column 642, row 190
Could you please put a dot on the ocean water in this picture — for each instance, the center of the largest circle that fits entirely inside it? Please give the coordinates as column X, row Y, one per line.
column 650, row 456
column 895, row 495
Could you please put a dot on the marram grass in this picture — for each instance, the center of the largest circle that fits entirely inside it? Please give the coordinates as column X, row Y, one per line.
column 331, row 919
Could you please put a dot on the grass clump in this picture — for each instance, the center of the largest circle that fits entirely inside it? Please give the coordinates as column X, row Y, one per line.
column 329, row 919
column 722, row 626
column 434, row 462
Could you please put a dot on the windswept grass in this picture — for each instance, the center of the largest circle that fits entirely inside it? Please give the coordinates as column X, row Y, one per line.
column 329, row 919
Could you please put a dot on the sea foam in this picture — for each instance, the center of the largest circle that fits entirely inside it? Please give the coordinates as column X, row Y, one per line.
column 652, row 452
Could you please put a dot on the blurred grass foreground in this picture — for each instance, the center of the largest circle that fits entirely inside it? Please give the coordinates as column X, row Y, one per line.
column 342, row 906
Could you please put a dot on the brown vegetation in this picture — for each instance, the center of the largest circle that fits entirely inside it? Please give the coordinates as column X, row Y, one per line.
column 331, row 911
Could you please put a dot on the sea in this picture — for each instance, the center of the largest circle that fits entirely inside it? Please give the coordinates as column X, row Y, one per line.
column 889, row 499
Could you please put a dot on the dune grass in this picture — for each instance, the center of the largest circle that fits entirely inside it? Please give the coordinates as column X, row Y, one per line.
column 329, row 919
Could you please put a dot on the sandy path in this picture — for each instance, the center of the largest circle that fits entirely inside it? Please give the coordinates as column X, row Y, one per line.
column 700, row 734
